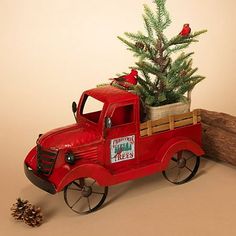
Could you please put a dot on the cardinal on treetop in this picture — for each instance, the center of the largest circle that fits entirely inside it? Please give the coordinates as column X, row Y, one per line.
column 185, row 31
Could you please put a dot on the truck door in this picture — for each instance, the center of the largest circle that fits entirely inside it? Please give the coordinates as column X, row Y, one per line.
column 121, row 137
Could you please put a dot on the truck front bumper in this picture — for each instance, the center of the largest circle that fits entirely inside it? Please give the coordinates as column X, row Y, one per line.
column 39, row 181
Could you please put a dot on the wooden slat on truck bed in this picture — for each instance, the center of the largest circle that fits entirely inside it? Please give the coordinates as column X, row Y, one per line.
column 169, row 123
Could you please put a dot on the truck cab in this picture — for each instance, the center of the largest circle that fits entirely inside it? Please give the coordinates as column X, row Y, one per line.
column 118, row 123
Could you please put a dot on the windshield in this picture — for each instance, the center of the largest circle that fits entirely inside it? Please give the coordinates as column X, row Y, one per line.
column 91, row 108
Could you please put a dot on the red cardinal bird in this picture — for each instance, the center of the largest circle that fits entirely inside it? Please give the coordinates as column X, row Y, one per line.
column 185, row 31
column 127, row 80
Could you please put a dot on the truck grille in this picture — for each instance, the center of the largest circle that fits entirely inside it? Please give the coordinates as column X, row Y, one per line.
column 45, row 160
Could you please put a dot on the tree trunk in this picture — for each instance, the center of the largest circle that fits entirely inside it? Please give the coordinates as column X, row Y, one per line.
column 219, row 136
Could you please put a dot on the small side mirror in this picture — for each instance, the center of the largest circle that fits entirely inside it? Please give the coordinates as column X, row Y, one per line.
column 74, row 107
column 108, row 122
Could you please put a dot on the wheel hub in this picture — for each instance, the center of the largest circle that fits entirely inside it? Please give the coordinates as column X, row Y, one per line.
column 86, row 191
column 181, row 163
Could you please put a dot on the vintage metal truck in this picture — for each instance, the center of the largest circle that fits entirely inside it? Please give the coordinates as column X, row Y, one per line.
column 108, row 145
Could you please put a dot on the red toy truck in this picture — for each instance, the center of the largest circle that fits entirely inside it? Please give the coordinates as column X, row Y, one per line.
column 109, row 145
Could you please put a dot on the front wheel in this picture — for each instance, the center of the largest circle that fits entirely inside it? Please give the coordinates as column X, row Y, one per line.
column 84, row 195
column 182, row 167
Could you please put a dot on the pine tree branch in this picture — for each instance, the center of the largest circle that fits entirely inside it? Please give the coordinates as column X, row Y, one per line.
column 138, row 37
column 144, row 84
column 163, row 17
column 148, row 67
column 191, row 72
column 148, row 27
column 147, row 77
column 152, row 19
column 137, row 51
column 129, row 44
column 197, row 33
column 182, row 40
column 177, row 48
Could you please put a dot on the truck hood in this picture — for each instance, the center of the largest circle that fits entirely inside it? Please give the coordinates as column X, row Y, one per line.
column 69, row 136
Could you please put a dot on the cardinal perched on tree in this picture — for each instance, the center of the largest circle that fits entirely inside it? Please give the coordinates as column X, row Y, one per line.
column 126, row 80
column 185, row 31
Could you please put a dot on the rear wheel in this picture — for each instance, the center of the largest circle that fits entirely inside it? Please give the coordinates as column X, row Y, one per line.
column 182, row 167
column 84, row 195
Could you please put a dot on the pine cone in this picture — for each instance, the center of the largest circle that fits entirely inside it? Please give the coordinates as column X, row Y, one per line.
column 140, row 45
column 18, row 208
column 183, row 73
column 33, row 216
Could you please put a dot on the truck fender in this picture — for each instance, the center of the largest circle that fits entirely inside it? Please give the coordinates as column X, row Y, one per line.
column 31, row 158
column 95, row 171
column 175, row 145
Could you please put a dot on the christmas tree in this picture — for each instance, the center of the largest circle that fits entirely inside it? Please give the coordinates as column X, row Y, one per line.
column 162, row 79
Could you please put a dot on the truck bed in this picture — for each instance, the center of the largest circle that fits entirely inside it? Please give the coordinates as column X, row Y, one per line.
column 171, row 122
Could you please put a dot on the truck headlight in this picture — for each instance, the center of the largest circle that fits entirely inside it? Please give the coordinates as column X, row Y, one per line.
column 70, row 158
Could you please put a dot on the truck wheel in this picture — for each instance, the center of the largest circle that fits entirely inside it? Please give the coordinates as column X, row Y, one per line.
column 84, row 195
column 182, row 167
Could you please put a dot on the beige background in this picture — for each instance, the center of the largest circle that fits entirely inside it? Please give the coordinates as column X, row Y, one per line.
column 50, row 52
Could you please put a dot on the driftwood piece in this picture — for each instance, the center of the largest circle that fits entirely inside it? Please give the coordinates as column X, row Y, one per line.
column 219, row 136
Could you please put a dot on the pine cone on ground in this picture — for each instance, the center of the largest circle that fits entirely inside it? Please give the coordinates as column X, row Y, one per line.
column 19, row 208
column 33, row 216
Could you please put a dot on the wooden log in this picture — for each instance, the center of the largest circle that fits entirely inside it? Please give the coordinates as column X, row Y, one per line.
column 219, row 136
column 220, row 120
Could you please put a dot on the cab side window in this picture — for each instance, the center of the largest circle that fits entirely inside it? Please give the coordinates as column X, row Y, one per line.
column 123, row 115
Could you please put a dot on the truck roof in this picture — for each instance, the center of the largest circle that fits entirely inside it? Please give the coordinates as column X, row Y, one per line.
column 110, row 94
